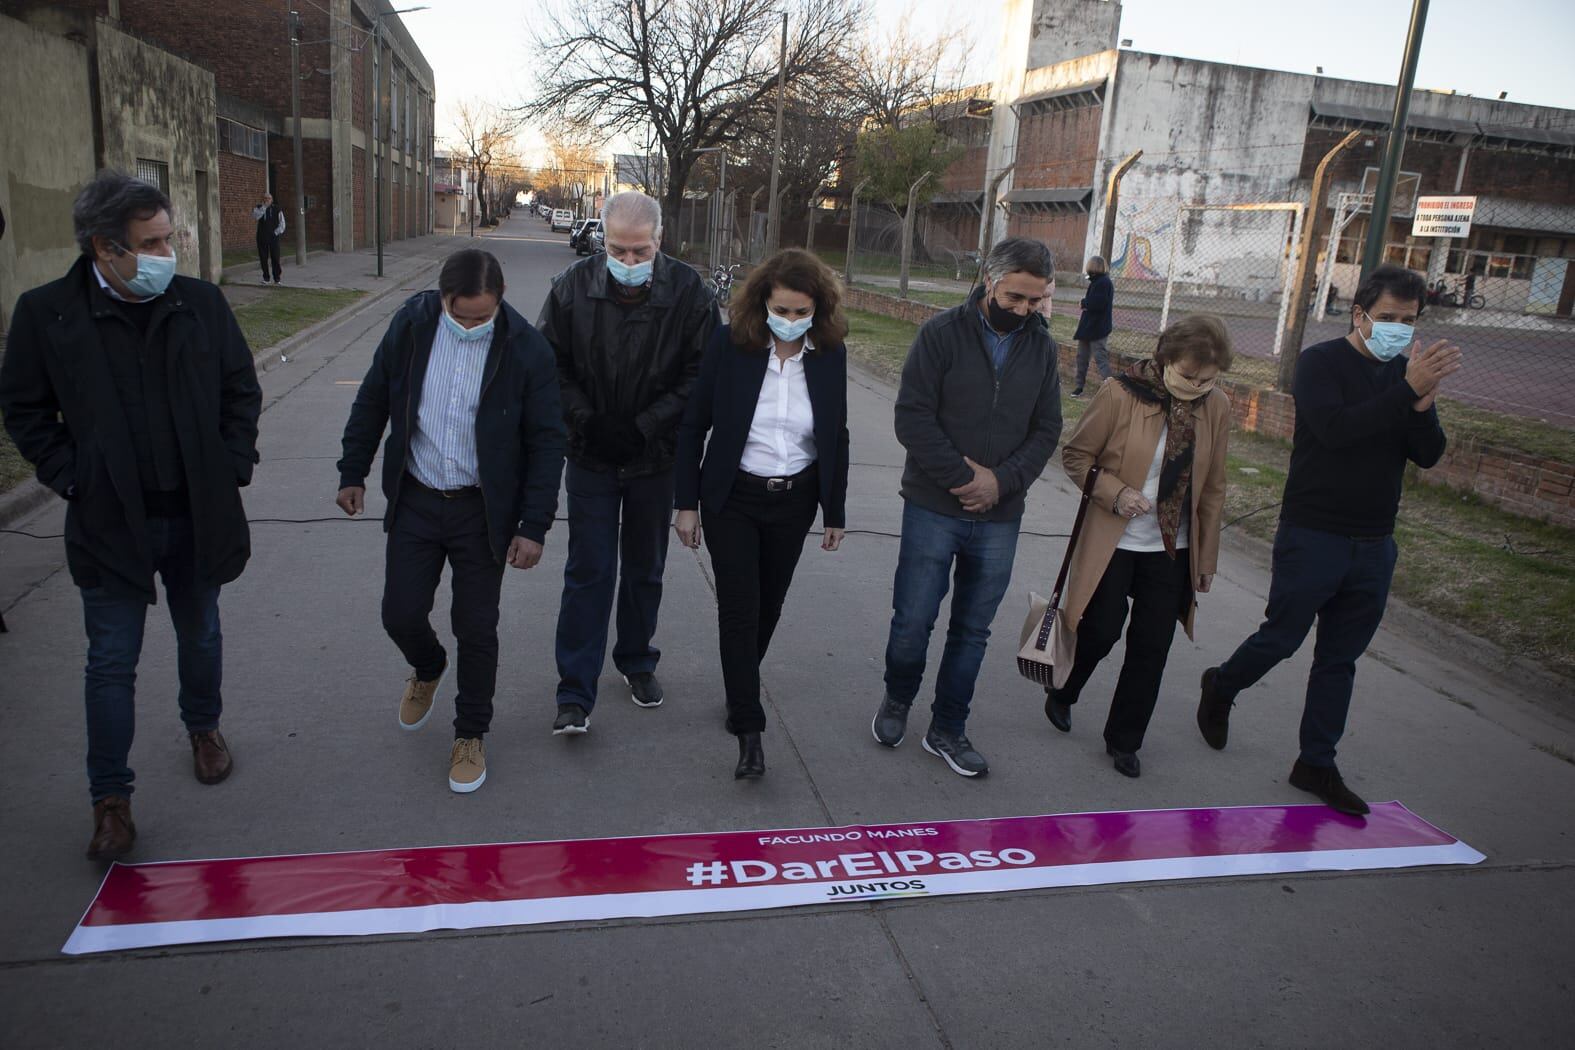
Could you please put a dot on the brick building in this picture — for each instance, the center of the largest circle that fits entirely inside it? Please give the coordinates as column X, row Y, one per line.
column 1068, row 105
column 346, row 115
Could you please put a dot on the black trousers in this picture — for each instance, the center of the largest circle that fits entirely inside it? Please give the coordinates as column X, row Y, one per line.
column 1159, row 588
column 268, row 252
column 755, row 543
column 428, row 531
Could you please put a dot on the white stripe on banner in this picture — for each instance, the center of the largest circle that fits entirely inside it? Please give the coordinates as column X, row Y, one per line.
column 467, row 887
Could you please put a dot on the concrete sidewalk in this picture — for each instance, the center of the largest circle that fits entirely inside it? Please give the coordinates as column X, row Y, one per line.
column 357, row 270
column 1417, row 958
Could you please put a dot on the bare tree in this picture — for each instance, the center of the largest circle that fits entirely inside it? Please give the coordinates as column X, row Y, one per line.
column 897, row 78
column 484, row 134
column 698, row 73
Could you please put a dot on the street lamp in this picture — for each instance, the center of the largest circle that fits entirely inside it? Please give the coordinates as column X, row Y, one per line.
column 380, row 126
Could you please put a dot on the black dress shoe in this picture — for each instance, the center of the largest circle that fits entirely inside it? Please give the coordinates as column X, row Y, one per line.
column 751, row 758
column 1126, row 763
column 1328, row 785
column 1060, row 714
column 1214, row 711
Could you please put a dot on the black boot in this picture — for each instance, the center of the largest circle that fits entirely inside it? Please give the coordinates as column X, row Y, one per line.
column 751, row 758
column 1214, row 706
column 1328, row 785
column 1058, row 711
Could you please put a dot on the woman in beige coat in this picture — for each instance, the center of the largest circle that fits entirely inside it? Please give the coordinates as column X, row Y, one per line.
column 1158, row 432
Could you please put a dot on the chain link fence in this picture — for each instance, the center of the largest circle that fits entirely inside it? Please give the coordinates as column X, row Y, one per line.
column 1505, row 294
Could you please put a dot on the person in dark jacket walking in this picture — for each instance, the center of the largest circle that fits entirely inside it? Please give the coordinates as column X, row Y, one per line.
column 1095, row 323
column 132, row 392
column 270, row 227
column 979, row 413
column 469, row 394
column 771, row 413
column 1363, row 410
column 629, row 328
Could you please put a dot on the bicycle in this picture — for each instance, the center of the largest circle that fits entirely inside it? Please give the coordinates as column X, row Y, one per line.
column 721, row 282
column 1475, row 302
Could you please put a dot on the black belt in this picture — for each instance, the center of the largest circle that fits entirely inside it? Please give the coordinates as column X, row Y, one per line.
column 462, row 493
column 786, row 484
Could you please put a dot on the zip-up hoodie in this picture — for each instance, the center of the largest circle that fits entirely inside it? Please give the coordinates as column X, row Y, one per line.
column 953, row 404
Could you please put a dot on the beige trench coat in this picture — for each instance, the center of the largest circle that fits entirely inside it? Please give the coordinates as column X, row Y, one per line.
column 1120, row 433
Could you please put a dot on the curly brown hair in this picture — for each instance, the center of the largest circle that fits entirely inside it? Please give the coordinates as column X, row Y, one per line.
column 1201, row 337
column 802, row 272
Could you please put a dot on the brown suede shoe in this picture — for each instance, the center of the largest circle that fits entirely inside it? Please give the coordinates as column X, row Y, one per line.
column 211, row 756
column 113, row 831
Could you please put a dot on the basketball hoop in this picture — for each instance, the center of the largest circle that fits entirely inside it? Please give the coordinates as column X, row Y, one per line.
column 1402, row 204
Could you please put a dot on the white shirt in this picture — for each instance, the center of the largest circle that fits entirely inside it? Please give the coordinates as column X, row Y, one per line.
column 1143, row 531
column 782, row 436
column 443, row 447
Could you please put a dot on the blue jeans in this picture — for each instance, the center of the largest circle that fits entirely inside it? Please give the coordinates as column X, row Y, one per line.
column 933, row 544
column 1343, row 583
column 114, row 631
column 611, row 520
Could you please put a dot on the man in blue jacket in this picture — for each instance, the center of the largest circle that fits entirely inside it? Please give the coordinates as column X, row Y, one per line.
column 1363, row 410
column 470, row 470
column 979, row 414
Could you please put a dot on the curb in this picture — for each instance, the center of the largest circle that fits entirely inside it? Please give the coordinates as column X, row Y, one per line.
column 23, row 500
column 271, row 357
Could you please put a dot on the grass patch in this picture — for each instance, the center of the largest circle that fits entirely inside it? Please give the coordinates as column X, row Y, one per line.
column 1469, row 423
column 282, row 312
column 237, row 256
column 13, row 468
column 1508, row 579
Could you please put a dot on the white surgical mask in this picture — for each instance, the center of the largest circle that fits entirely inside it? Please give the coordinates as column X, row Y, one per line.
column 788, row 331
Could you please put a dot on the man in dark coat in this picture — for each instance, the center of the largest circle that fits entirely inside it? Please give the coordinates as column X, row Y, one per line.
column 1095, row 324
column 132, row 392
column 629, row 328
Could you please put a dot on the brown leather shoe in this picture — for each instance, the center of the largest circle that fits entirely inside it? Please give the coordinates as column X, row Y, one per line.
column 211, row 756
column 113, row 831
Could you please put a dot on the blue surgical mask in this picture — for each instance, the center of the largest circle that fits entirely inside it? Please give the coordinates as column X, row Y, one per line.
column 1389, row 340
column 630, row 276
column 468, row 335
column 788, row 331
column 154, row 273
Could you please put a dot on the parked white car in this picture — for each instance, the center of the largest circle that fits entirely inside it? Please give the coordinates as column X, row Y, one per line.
column 562, row 220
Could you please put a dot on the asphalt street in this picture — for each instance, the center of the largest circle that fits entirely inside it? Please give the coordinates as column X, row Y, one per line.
column 1416, row 958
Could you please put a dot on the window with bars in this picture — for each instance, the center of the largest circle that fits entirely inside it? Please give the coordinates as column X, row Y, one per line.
column 154, row 173
column 243, row 141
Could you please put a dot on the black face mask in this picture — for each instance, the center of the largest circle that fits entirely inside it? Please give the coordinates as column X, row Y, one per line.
column 1001, row 319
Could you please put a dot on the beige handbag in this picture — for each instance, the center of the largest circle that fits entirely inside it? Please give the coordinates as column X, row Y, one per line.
column 1033, row 654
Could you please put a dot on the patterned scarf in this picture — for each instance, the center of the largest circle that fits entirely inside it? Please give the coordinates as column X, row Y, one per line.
column 1145, row 380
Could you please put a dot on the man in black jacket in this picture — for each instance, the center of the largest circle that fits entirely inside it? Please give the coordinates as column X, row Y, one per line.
column 629, row 329
column 471, row 468
column 979, row 413
column 1362, row 411
column 1095, row 324
column 132, row 392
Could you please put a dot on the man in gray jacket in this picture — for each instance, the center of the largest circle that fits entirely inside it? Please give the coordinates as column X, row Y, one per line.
column 979, row 413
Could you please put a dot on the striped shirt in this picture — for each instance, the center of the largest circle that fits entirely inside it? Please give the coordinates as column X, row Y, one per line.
column 443, row 446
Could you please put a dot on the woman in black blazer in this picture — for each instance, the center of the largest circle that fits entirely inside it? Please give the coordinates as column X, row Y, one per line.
column 769, row 413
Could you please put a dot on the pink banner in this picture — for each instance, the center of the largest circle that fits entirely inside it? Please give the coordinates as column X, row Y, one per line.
column 464, row 887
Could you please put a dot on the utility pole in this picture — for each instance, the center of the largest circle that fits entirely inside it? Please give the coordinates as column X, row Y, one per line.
column 1296, row 318
column 295, row 111
column 378, row 159
column 1383, row 193
column 774, row 218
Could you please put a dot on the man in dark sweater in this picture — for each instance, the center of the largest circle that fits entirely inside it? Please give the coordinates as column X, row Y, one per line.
column 1362, row 411
column 979, row 414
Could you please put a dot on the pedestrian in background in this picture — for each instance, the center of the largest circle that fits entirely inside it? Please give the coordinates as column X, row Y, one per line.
column 1095, row 323
column 1151, row 538
column 132, row 392
column 1363, row 410
column 270, row 227
column 979, row 414
column 470, row 470
column 629, row 329
column 763, row 444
